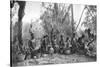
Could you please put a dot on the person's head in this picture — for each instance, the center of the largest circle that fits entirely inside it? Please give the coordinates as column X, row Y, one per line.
column 83, row 35
column 61, row 36
column 31, row 25
column 73, row 34
column 89, row 30
column 67, row 38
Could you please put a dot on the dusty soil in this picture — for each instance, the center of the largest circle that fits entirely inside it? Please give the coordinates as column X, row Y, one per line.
column 56, row 59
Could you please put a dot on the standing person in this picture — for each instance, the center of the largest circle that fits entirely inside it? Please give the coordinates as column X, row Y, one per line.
column 31, row 48
column 56, row 47
column 46, row 43
column 51, row 49
column 61, row 43
column 66, row 44
column 43, row 44
column 31, row 44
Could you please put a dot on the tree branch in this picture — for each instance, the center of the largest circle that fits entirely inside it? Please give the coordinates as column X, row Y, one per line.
column 66, row 14
column 89, row 11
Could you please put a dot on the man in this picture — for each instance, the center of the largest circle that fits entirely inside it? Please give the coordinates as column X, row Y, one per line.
column 56, row 46
column 30, row 51
column 51, row 49
column 61, row 42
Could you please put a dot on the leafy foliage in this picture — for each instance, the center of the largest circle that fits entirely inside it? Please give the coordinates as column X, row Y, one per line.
column 91, row 18
column 54, row 18
column 90, row 23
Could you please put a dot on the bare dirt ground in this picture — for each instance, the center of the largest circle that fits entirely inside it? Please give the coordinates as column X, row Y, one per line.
column 56, row 59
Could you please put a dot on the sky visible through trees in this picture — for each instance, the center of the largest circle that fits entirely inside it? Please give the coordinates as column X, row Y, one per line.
column 33, row 13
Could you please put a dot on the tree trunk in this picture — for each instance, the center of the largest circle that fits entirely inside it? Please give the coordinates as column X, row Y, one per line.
column 72, row 20
column 20, row 16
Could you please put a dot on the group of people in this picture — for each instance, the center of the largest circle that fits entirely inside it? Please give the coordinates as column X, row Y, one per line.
column 49, row 45
column 57, row 44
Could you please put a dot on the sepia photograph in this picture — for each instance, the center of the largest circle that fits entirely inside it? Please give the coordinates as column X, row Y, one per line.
column 45, row 33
